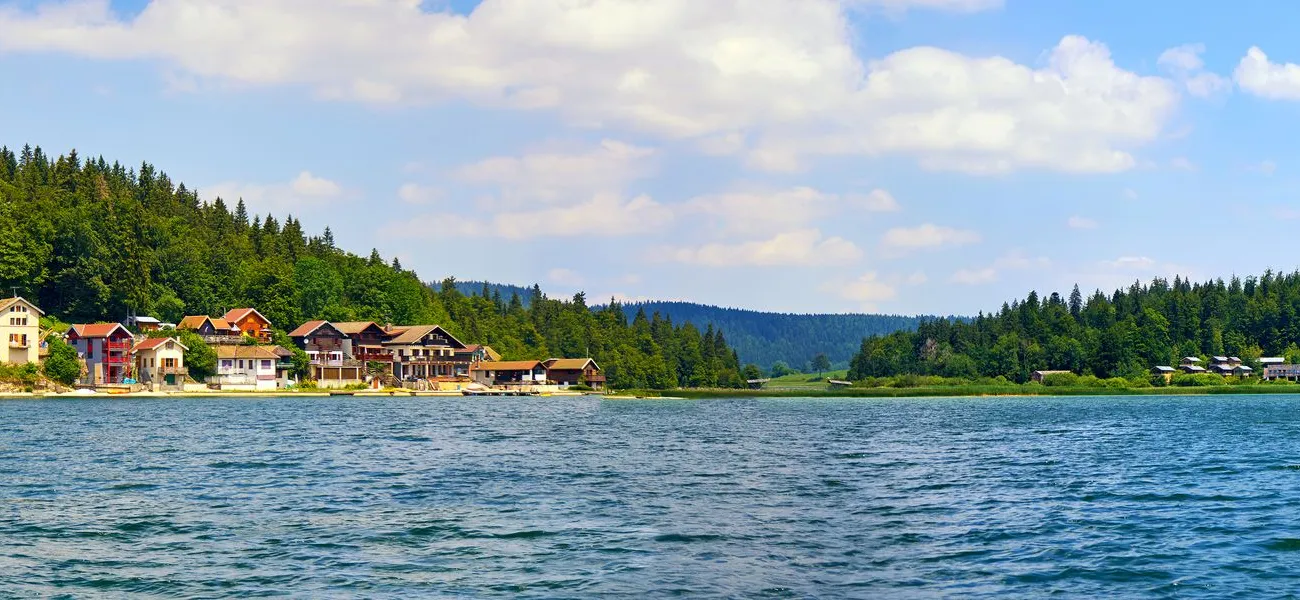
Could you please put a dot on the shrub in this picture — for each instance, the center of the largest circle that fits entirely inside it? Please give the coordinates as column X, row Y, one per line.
column 1061, row 380
column 581, row 388
column 1198, row 380
column 62, row 365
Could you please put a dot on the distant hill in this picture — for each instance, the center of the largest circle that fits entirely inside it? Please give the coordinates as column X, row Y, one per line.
column 767, row 338
column 761, row 338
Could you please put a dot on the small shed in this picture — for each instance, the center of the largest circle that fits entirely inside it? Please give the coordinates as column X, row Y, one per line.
column 757, row 384
column 1039, row 376
column 1164, row 371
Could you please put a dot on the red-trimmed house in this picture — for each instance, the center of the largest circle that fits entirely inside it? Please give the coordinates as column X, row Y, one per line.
column 106, row 350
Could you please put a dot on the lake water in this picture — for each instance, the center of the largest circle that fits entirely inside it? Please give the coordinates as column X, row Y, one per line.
column 583, row 498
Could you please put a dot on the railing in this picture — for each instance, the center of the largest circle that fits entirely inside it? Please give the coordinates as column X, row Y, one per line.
column 116, row 359
column 595, row 378
column 19, row 344
column 374, row 357
column 123, row 346
column 173, row 371
column 224, row 340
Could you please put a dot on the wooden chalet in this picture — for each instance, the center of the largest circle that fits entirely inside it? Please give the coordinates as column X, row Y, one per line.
column 247, row 321
column 329, row 350
column 510, row 373
column 423, row 352
column 213, row 330
column 567, row 372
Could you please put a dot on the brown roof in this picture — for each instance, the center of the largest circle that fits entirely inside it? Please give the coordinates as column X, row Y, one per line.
column 154, row 343
column 356, row 327
column 7, row 302
column 239, row 313
column 247, row 352
column 98, row 330
column 306, row 328
column 193, row 322
column 222, row 324
column 570, row 364
column 510, row 365
column 414, row 333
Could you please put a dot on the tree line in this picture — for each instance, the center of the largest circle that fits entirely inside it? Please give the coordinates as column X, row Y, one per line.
column 89, row 240
column 1123, row 334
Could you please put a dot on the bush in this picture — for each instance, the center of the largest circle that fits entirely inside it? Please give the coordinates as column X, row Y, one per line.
column 62, row 365
column 1115, row 383
column 1198, row 380
column 581, row 388
column 1061, row 380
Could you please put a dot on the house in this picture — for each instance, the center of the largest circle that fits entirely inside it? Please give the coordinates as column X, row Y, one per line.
column 509, row 373
column 247, row 321
column 1191, row 369
column 1230, row 365
column 1225, row 361
column 142, row 324
column 213, row 331
column 20, row 326
column 1271, row 360
column 1289, row 372
column 566, row 372
column 105, row 348
column 247, row 368
column 1039, row 376
column 1191, row 361
column 423, row 352
column 331, row 354
column 1164, row 371
column 160, row 363
column 366, row 343
column 472, row 354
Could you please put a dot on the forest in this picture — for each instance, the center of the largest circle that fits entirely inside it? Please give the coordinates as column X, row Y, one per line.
column 1120, row 335
column 89, row 241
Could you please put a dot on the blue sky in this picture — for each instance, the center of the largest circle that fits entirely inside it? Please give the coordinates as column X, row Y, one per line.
column 908, row 156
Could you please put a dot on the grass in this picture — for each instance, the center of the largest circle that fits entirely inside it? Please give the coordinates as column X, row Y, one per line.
column 805, row 381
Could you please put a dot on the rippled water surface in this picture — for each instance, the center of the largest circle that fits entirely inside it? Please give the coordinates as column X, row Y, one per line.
column 403, row 497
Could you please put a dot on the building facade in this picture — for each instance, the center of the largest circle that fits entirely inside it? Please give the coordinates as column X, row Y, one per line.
column 160, row 363
column 249, row 322
column 246, row 368
column 20, row 330
column 105, row 349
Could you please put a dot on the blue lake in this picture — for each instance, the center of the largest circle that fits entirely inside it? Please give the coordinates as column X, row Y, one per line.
column 584, row 498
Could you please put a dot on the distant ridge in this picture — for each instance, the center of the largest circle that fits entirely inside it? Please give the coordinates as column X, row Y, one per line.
column 762, row 338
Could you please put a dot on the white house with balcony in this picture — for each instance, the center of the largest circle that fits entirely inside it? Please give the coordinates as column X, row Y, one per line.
column 245, row 368
column 20, row 329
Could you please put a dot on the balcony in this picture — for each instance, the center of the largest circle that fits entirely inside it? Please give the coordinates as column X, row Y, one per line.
column 374, row 357
column 173, row 371
column 595, row 378
column 223, row 340
column 116, row 359
column 20, row 343
column 110, row 347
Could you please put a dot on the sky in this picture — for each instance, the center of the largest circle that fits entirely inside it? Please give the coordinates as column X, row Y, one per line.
column 899, row 156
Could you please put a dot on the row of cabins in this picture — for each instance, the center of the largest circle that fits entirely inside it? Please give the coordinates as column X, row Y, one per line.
column 340, row 353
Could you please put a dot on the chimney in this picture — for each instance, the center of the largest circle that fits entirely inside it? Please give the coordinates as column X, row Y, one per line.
column 388, row 327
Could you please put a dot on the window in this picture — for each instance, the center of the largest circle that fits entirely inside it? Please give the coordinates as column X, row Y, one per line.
column 90, row 348
column 266, row 365
column 226, row 364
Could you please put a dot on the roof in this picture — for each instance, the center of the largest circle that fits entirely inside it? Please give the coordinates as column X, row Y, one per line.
column 1191, row 359
column 1243, row 368
column 1221, row 358
column 1163, row 369
column 510, row 365
column 239, row 313
column 414, row 333
column 267, row 352
column 155, row 343
column 7, row 302
column 196, row 321
column 150, row 320
column 97, row 330
column 357, row 327
column 1272, row 360
column 307, row 328
column 1046, row 372
column 1194, row 369
column 570, row 364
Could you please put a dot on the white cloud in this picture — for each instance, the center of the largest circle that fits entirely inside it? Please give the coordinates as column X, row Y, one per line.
column 917, row 278
column 1258, row 75
column 566, row 277
column 782, row 73
column 964, row 6
column 877, row 200
column 927, row 236
column 803, row 248
column 1130, row 193
column 1077, row 222
column 603, row 215
column 867, row 290
column 763, row 212
column 1185, row 64
column 1181, row 163
column 561, row 176
column 302, row 193
column 1130, row 263
column 414, row 193
column 1015, row 260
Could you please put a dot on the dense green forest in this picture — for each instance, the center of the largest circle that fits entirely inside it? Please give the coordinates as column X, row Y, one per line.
column 92, row 241
column 1120, row 335
column 761, row 338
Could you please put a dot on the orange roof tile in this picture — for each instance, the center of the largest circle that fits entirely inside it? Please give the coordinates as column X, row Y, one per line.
column 155, row 343
column 237, row 314
column 306, row 328
column 98, row 330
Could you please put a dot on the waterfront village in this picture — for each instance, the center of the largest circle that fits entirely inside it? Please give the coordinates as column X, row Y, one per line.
column 1274, row 368
column 138, row 355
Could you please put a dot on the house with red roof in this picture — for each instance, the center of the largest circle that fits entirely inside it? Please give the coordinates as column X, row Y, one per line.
column 105, row 349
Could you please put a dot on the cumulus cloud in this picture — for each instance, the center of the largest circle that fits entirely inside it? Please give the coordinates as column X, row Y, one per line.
column 965, row 6
column 414, row 193
column 763, row 212
column 975, row 276
column 778, row 80
column 927, row 236
column 603, row 215
column 566, row 277
column 558, row 176
column 1258, row 75
column 304, row 192
column 1185, row 64
column 803, row 248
